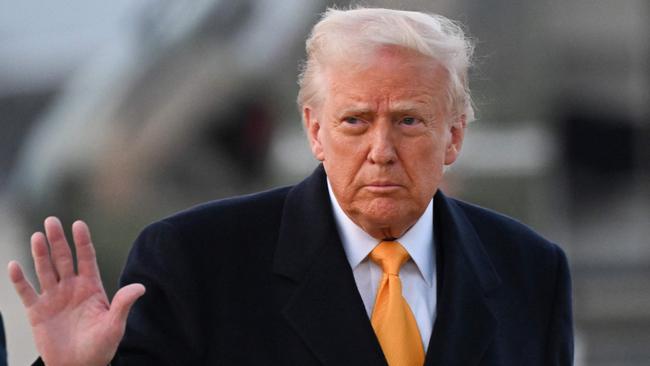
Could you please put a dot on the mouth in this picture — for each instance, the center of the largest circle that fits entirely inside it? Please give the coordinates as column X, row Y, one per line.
column 382, row 187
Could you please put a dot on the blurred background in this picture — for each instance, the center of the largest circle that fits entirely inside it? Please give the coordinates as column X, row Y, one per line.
column 123, row 112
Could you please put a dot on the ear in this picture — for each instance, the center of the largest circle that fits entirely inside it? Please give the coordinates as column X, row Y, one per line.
column 312, row 126
column 457, row 132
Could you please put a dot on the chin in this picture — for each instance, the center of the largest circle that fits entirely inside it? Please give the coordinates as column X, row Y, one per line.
column 388, row 214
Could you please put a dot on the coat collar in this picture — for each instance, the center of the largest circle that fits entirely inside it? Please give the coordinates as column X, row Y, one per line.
column 327, row 311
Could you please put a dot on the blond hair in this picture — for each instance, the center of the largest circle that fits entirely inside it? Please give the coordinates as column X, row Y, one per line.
column 359, row 33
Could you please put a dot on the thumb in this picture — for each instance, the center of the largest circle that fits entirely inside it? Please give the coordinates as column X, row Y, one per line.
column 124, row 300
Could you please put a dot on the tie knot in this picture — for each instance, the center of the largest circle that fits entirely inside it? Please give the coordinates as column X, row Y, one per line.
column 389, row 255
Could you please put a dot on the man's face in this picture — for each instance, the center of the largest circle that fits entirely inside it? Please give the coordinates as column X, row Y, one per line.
column 383, row 135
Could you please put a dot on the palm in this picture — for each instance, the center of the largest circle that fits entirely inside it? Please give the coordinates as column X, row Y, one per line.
column 75, row 313
column 72, row 320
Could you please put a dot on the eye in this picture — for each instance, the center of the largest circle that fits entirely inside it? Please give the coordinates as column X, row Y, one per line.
column 409, row 121
column 352, row 120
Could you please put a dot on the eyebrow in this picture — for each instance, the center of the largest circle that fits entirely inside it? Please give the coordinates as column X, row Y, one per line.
column 356, row 110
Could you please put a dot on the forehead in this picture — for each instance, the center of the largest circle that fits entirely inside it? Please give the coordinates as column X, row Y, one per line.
column 401, row 78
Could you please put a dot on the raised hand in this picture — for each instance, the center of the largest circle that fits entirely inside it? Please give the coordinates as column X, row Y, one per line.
column 72, row 321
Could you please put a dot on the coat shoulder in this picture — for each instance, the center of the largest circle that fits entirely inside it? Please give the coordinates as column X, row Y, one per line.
column 506, row 237
column 254, row 205
column 209, row 226
column 227, row 215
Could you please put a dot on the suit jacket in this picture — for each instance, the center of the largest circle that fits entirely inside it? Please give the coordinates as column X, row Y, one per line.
column 263, row 280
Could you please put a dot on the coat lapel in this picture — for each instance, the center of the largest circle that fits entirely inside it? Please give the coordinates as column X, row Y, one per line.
column 465, row 324
column 326, row 310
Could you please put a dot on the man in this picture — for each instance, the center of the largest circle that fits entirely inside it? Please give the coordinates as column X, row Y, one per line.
column 365, row 262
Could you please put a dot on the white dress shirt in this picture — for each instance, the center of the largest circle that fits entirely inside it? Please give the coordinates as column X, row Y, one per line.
column 418, row 274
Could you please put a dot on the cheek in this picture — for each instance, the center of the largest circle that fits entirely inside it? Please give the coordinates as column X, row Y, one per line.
column 424, row 162
column 425, row 151
column 342, row 174
column 344, row 150
column 339, row 162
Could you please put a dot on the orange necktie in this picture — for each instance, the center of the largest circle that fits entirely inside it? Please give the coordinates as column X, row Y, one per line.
column 392, row 319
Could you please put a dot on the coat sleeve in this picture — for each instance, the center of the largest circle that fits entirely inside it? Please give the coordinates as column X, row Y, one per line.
column 559, row 347
column 165, row 325
column 3, row 349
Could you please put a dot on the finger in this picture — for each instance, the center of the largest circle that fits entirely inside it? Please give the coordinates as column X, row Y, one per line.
column 42, row 262
column 86, row 258
column 60, row 250
column 123, row 301
column 24, row 289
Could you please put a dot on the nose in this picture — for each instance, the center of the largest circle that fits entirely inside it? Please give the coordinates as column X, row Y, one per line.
column 382, row 145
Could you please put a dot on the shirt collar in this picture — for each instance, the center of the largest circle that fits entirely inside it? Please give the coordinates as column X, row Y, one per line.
column 418, row 240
